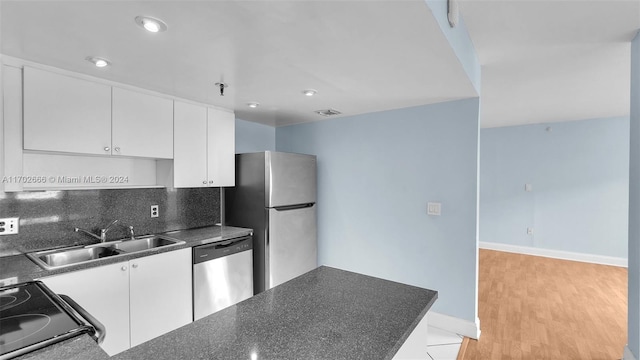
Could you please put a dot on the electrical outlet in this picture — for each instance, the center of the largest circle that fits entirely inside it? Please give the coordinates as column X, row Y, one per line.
column 529, row 231
column 155, row 212
column 9, row 226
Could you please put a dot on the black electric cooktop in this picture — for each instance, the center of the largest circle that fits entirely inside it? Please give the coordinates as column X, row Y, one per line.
column 32, row 317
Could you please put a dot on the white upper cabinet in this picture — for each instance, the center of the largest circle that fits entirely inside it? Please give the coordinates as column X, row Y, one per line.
column 62, row 113
column 221, row 147
column 65, row 114
column 204, row 153
column 65, row 117
column 190, row 141
column 142, row 125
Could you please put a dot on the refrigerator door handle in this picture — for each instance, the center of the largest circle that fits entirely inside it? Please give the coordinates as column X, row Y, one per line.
column 294, row 207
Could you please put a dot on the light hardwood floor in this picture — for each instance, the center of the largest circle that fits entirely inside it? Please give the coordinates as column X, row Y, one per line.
column 533, row 307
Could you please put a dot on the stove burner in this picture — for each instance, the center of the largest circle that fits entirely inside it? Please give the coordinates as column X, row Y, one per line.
column 10, row 298
column 6, row 300
column 19, row 327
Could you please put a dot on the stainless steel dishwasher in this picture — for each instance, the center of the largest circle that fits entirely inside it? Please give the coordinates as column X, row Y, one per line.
column 222, row 275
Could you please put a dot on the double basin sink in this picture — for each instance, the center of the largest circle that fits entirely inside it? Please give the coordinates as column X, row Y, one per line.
column 57, row 258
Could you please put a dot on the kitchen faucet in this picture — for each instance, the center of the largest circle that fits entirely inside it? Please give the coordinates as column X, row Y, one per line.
column 88, row 233
column 130, row 228
column 103, row 232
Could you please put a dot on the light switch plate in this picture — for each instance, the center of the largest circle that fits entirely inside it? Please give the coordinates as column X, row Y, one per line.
column 434, row 208
column 9, row 226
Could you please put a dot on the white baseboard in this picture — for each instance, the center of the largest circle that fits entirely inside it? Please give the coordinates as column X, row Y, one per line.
column 454, row 324
column 556, row 254
column 628, row 355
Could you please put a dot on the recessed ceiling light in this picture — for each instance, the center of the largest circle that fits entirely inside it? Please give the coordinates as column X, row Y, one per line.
column 151, row 24
column 98, row 61
column 309, row 92
column 253, row 105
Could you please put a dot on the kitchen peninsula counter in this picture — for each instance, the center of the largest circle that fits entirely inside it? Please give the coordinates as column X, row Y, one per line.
column 326, row 313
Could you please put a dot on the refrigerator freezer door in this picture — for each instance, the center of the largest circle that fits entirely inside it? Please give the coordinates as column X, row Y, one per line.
column 292, row 248
column 290, row 179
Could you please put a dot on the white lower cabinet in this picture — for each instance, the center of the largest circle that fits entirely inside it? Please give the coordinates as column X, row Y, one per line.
column 136, row 300
column 104, row 292
column 160, row 290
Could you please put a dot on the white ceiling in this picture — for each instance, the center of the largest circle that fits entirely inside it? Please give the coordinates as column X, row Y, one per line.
column 542, row 61
column 548, row 61
column 361, row 56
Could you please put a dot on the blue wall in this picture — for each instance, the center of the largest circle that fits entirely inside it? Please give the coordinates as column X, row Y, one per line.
column 634, row 203
column 580, row 176
column 376, row 173
column 253, row 137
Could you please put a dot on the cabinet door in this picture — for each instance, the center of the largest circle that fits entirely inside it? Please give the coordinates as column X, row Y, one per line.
column 66, row 114
column 142, row 125
column 104, row 292
column 161, row 294
column 190, row 145
column 221, row 148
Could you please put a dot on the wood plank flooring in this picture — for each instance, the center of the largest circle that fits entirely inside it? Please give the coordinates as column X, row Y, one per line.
column 533, row 307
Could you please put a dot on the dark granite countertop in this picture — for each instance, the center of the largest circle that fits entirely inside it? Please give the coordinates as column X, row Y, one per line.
column 21, row 267
column 324, row 314
column 77, row 348
column 208, row 234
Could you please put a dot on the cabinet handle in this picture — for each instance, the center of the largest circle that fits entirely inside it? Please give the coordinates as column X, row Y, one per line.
column 134, row 266
column 106, row 148
column 210, row 181
column 124, row 268
column 204, row 182
column 117, row 149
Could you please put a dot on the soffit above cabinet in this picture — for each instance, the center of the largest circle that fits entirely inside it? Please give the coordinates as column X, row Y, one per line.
column 361, row 56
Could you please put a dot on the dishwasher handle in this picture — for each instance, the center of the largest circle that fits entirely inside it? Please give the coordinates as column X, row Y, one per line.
column 222, row 248
column 222, row 245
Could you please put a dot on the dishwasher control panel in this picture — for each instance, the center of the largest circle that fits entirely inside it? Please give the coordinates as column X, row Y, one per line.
column 221, row 248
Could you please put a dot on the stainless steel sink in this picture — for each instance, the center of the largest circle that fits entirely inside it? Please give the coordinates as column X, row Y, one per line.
column 57, row 258
column 142, row 244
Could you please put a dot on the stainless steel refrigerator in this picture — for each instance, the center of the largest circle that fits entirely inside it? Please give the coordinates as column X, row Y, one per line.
column 275, row 195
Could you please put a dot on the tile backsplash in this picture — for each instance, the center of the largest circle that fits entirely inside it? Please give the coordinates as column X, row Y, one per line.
column 48, row 218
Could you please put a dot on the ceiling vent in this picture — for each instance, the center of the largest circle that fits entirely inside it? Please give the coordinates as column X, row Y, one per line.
column 328, row 112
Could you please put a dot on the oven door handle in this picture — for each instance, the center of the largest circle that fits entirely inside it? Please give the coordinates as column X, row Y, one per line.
column 101, row 332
